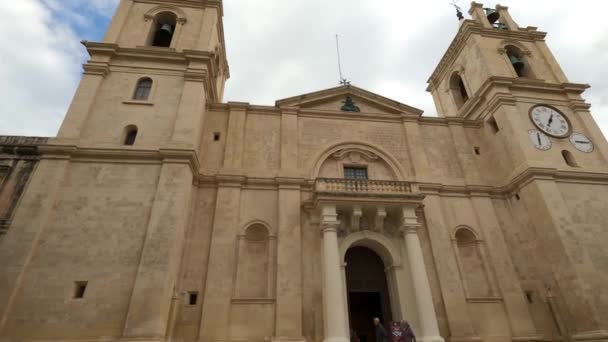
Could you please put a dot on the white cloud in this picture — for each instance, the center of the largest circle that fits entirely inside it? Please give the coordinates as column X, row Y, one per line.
column 40, row 69
column 279, row 49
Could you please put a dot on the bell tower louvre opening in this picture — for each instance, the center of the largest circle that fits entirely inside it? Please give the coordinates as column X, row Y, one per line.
column 368, row 295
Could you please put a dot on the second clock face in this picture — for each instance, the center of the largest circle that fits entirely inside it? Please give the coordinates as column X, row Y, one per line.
column 581, row 142
column 550, row 121
column 539, row 140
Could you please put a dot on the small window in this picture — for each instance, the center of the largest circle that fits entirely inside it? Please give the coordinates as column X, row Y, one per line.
column 130, row 135
column 355, row 172
column 80, row 288
column 493, row 125
column 216, row 136
column 477, row 150
column 569, row 158
column 192, row 298
column 517, row 197
column 529, row 297
column 143, row 89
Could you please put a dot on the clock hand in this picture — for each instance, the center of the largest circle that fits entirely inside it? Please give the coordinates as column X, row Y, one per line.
column 581, row 142
column 550, row 120
column 539, row 142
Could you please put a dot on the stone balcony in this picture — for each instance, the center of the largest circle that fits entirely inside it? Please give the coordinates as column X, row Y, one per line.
column 367, row 191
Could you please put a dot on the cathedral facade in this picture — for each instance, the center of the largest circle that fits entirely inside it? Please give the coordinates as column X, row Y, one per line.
column 162, row 213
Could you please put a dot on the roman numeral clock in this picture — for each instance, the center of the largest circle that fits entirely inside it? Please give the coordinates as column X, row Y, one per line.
column 551, row 123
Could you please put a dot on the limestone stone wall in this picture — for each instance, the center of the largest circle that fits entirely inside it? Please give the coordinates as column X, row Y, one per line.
column 94, row 233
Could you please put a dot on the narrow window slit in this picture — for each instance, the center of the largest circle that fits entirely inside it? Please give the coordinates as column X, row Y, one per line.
column 79, row 288
column 192, row 298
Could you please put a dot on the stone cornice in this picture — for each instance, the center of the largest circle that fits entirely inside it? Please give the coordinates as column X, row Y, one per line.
column 268, row 110
column 158, row 156
column 468, row 28
column 481, row 103
column 520, row 181
column 197, row 66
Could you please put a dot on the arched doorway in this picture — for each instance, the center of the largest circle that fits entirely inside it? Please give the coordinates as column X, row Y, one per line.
column 367, row 289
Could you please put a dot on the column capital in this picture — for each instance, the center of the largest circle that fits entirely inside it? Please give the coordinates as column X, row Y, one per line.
column 410, row 228
column 329, row 218
column 329, row 227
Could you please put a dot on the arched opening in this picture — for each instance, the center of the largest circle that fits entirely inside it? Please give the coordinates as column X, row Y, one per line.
column 459, row 91
column 569, row 158
column 143, row 89
column 472, row 265
column 163, row 29
column 130, row 135
column 253, row 264
column 368, row 294
column 518, row 61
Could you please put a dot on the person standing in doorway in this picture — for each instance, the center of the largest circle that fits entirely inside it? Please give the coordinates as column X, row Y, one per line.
column 380, row 331
column 407, row 334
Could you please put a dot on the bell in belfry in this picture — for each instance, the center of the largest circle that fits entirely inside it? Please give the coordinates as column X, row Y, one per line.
column 163, row 36
column 492, row 15
column 517, row 63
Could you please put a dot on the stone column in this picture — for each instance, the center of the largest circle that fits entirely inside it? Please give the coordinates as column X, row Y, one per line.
column 333, row 299
column 422, row 288
column 288, row 324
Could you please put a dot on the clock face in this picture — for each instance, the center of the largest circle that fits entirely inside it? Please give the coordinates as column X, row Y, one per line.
column 539, row 140
column 581, row 142
column 550, row 121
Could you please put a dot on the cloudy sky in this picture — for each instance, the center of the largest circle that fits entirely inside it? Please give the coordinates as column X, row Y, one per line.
column 283, row 48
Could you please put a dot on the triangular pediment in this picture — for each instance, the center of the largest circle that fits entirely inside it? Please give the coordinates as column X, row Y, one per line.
column 348, row 99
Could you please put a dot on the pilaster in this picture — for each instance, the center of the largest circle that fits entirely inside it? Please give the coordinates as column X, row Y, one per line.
column 288, row 325
column 415, row 144
column 289, row 142
column 191, row 110
column 235, row 138
column 222, row 264
column 447, row 270
column 566, row 255
column 508, row 280
column 78, row 112
column 157, row 275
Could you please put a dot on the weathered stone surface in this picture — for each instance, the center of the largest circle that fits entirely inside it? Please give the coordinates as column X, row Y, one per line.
column 231, row 221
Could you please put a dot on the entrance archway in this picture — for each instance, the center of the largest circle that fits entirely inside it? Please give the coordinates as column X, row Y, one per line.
column 367, row 292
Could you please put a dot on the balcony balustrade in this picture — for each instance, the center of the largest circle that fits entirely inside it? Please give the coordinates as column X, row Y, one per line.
column 363, row 187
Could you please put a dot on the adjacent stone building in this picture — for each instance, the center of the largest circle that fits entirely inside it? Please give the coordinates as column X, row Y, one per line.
column 160, row 213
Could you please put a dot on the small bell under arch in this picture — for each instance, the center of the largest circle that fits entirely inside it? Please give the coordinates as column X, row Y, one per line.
column 492, row 15
column 163, row 36
column 517, row 63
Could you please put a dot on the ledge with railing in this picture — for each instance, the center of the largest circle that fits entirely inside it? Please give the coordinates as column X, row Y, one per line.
column 364, row 187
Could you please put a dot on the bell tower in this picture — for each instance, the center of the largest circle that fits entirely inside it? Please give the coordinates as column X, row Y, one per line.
column 147, row 84
column 536, row 141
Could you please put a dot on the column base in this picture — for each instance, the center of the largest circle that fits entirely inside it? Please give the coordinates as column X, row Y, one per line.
column 464, row 338
column 336, row 339
column 597, row 335
column 288, row 339
column 430, row 339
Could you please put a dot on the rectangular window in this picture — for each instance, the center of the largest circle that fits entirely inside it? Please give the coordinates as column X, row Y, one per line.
column 193, row 298
column 351, row 172
column 79, row 289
